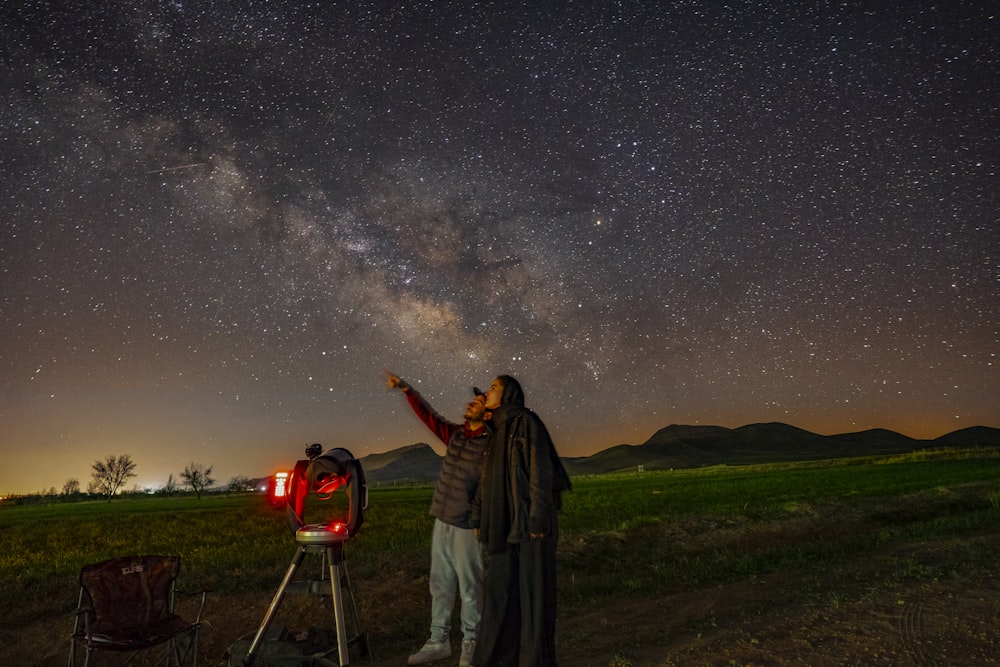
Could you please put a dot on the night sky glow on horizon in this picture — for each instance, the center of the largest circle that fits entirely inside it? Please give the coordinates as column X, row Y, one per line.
column 224, row 221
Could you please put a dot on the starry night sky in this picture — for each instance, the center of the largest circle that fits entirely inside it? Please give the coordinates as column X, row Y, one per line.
column 223, row 221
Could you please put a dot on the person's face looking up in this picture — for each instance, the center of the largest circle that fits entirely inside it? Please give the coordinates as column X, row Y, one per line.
column 475, row 410
column 493, row 394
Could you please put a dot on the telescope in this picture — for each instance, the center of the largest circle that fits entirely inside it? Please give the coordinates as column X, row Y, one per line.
column 320, row 475
column 323, row 474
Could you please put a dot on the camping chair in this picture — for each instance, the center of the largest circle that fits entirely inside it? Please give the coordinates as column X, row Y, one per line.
column 127, row 605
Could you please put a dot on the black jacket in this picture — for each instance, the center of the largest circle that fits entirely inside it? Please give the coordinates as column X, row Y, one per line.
column 460, row 469
column 523, row 478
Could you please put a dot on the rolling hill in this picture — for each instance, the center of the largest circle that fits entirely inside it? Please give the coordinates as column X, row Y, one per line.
column 680, row 446
column 414, row 463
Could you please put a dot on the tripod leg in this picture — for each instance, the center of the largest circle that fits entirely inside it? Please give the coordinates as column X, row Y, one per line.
column 338, row 606
column 269, row 616
column 360, row 639
column 355, row 616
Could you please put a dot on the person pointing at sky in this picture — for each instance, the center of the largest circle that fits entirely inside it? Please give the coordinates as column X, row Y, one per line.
column 456, row 559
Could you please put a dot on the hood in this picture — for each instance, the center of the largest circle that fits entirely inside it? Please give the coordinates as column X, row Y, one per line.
column 512, row 392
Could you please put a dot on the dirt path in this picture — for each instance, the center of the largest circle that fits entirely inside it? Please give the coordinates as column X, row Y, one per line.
column 762, row 622
column 923, row 625
column 922, row 605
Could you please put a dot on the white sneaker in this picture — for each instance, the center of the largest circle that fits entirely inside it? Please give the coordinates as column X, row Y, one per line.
column 430, row 652
column 468, row 648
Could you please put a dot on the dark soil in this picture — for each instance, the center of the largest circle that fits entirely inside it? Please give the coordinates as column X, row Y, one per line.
column 927, row 605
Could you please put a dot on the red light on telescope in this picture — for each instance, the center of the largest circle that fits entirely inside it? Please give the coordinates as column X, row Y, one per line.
column 280, row 484
column 279, row 487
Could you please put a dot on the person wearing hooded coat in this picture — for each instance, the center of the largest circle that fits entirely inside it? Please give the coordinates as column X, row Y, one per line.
column 516, row 513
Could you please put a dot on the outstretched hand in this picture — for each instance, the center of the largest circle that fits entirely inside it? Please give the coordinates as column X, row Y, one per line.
column 396, row 382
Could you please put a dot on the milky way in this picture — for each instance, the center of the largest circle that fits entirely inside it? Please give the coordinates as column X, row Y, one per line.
column 224, row 221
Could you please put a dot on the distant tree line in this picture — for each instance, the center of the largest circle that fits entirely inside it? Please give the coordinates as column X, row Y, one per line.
column 109, row 476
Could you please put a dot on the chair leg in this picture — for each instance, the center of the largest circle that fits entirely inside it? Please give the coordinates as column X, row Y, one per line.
column 72, row 654
column 183, row 647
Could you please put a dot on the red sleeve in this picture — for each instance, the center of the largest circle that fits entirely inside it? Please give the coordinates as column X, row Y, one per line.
column 440, row 426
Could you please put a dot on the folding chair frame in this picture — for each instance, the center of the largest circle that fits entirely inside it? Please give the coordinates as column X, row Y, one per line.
column 126, row 606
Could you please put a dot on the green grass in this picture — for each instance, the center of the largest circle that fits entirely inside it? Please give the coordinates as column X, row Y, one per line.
column 649, row 533
column 653, row 532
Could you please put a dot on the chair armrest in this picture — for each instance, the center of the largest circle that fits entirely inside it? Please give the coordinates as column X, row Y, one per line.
column 83, row 610
column 203, row 593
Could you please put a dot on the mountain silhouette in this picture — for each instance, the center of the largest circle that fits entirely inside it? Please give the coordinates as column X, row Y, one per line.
column 682, row 446
column 968, row 437
column 413, row 463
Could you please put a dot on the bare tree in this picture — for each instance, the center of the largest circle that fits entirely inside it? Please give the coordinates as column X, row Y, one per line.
column 170, row 488
column 110, row 474
column 71, row 487
column 238, row 483
column 198, row 477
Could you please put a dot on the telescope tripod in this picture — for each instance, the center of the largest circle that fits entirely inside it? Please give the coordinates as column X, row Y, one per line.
column 317, row 539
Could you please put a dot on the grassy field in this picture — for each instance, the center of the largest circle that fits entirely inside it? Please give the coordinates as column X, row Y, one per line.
column 628, row 542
